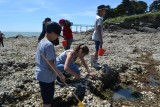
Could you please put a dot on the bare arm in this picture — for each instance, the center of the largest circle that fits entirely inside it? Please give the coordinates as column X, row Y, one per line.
column 67, row 62
column 84, row 63
column 99, row 28
column 86, row 66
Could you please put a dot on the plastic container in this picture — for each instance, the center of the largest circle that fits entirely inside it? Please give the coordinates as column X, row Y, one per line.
column 101, row 51
column 64, row 43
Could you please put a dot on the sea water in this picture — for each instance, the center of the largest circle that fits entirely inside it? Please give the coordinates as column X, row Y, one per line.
column 28, row 34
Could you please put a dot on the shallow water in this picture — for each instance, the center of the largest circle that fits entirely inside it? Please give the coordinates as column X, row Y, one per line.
column 29, row 34
column 126, row 94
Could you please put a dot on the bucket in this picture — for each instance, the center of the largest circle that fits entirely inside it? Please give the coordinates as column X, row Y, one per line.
column 64, row 43
column 101, row 51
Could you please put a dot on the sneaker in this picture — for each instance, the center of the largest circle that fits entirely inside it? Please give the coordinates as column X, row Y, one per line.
column 94, row 62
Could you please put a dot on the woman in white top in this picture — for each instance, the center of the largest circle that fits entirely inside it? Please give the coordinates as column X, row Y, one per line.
column 65, row 61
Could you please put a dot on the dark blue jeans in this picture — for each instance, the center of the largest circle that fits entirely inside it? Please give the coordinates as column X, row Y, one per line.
column 97, row 45
column 73, row 67
column 69, row 42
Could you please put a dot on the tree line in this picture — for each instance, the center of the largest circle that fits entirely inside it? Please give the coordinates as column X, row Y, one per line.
column 128, row 7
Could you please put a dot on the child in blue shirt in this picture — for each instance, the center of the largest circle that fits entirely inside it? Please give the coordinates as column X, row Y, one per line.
column 43, row 73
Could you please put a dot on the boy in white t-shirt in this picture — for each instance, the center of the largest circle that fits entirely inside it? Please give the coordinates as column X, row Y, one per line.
column 98, row 34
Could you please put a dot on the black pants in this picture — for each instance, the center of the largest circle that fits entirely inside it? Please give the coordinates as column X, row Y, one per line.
column 1, row 41
column 47, row 92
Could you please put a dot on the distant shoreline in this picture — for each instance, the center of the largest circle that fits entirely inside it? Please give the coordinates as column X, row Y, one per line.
column 28, row 34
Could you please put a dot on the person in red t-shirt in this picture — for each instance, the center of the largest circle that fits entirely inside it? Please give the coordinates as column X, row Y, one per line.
column 67, row 33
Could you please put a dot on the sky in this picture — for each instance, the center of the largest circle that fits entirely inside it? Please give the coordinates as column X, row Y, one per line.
column 28, row 15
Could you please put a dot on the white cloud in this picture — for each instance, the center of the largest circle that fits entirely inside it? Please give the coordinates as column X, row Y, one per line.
column 40, row 3
column 72, row 15
column 87, row 13
column 66, row 16
column 2, row 1
column 21, row 6
column 30, row 10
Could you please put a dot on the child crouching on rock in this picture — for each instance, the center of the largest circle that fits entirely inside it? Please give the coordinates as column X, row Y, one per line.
column 65, row 61
column 45, row 56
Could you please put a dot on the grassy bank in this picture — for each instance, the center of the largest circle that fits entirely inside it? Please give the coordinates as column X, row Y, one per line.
column 150, row 19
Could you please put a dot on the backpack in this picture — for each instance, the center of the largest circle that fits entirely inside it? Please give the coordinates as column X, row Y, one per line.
column 68, row 23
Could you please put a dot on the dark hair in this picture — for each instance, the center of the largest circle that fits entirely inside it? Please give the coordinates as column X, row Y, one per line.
column 41, row 36
column 49, row 28
column 47, row 19
column 53, row 27
column 100, row 7
column 68, row 23
column 84, row 48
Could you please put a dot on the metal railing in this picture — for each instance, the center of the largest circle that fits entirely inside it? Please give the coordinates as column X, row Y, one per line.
column 81, row 27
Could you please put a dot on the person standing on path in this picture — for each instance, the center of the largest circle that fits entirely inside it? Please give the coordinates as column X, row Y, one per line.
column 43, row 72
column 98, row 34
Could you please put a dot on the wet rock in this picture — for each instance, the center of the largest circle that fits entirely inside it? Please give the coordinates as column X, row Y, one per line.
column 130, row 57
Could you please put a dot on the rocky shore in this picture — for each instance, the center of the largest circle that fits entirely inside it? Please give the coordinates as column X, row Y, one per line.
column 129, row 77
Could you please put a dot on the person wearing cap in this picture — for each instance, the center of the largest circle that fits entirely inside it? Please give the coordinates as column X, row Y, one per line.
column 97, row 35
column 43, row 72
column 1, row 38
column 67, row 32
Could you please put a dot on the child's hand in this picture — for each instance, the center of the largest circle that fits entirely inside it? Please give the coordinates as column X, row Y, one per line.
column 92, row 74
column 101, row 42
column 77, row 76
column 63, row 78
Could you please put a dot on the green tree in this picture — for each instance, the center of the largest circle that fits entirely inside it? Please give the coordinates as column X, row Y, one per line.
column 128, row 7
column 155, row 6
column 139, row 7
column 109, row 12
column 120, row 10
column 142, row 7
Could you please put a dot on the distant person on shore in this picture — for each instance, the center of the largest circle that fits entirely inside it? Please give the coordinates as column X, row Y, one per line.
column 67, row 32
column 1, row 38
column 46, row 21
column 43, row 72
column 65, row 61
column 98, row 34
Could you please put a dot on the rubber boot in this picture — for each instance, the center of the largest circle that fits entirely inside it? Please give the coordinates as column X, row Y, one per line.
column 94, row 62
